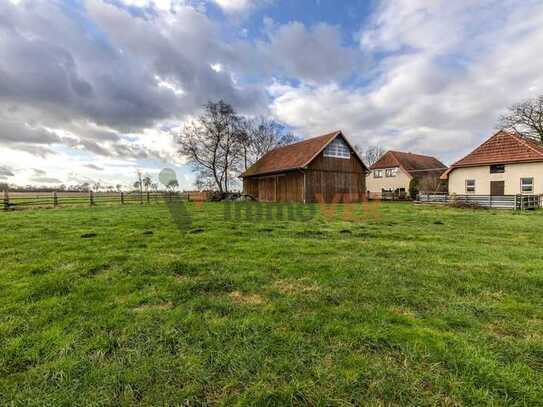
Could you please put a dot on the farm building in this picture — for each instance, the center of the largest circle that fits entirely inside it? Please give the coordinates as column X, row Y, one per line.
column 394, row 171
column 505, row 164
column 320, row 169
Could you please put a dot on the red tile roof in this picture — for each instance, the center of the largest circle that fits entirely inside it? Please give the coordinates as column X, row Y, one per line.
column 415, row 164
column 292, row 156
column 502, row 148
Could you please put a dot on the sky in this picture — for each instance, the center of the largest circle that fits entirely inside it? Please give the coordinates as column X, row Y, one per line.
column 92, row 91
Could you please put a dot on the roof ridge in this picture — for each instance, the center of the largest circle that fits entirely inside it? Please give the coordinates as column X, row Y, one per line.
column 409, row 152
column 308, row 139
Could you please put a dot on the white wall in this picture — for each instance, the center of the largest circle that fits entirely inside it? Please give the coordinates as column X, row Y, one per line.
column 401, row 180
column 482, row 176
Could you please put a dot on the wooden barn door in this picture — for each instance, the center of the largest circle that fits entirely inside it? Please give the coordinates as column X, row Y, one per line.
column 266, row 189
column 497, row 188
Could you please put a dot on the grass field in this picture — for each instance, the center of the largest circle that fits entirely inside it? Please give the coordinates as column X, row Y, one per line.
column 419, row 306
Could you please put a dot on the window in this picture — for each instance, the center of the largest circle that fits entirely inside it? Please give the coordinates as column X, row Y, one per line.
column 470, row 185
column 497, row 169
column 527, row 185
column 337, row 149
column 377, row 173
column 391, row 172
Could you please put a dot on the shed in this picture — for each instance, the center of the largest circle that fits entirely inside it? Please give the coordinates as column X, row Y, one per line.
column 319, row 169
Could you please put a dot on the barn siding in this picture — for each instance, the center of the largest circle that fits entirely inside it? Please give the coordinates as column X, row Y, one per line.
column 285, row 187
column 324, row 178
column 324, row 185
column 329, row 176
column 250, row 187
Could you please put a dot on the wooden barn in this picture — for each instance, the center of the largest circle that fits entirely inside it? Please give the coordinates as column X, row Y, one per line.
column 320, row 169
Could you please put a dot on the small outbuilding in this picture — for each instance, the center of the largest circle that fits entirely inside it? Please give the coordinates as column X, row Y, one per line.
column 319, row 169
column 505, row 164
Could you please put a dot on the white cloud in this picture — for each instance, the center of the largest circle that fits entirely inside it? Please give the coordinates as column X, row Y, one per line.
column 445, row 72
column 236, row 6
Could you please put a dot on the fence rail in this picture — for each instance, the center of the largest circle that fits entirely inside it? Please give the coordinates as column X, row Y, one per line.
column 486, row 201
column 22, row 200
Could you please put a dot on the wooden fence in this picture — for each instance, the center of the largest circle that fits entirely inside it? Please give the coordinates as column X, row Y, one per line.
column 519, row 202
column 25, row 200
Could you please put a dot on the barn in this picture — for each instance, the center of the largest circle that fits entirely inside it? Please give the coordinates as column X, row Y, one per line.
column 319, row 169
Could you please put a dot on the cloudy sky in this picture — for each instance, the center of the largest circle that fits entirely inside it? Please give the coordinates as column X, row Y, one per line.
column 93, row 90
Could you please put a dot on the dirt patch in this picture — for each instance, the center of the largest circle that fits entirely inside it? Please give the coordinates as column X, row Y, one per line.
column 242, row 298
column 301, row 285
column 403, row 311
column 501, row 331
column 162, row 306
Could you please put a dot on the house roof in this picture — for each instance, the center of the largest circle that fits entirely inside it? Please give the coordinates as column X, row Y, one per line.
column 417, row 165
column 293, row 156
column 502, row 148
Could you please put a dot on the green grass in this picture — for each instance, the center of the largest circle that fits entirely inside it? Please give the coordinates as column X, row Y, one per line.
column 419, row 306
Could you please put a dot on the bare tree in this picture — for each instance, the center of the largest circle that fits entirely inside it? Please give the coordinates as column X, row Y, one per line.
column 203, row 183
column 211, row 144
column 431, row 184
column 525, row 118
column 139, row 183
column 172, row 185
column 372, row 154
column 147, row 181
column 259, row 136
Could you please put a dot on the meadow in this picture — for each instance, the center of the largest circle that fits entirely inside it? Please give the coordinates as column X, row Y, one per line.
column 413, row 305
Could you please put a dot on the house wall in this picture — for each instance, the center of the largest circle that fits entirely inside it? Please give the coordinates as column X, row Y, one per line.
column 376, row 185
column 482, row 176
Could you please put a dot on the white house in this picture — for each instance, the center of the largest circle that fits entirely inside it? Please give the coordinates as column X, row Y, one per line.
column 394, row 171
column 505, row 164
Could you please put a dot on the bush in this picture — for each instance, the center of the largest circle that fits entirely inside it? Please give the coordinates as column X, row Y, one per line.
column 414, row 188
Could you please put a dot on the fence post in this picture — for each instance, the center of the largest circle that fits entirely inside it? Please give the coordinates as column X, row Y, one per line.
column 91, row 197
column 122, row 198
column 6, row 199
column 148, row 200
column 55, row 198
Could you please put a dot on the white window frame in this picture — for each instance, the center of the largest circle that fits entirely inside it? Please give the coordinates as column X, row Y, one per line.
column 468, row 187
column 378, row 173
column 523, row 185
column 391, row 172
column 338, row 149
